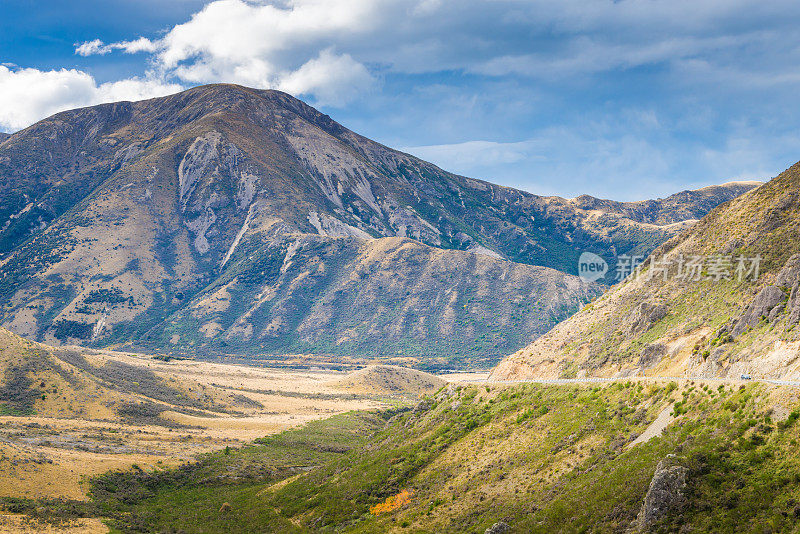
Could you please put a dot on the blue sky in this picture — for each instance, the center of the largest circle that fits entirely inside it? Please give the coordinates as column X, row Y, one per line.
column 628, row 99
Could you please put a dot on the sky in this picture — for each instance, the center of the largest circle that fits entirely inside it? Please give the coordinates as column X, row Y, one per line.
column 625, row 99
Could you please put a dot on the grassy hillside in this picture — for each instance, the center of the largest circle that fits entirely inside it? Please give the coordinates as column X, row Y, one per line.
column 389, row 380
column 67, row 414
column 538, row 458
column 39, row 380
column 36, row 379
column 715, row 324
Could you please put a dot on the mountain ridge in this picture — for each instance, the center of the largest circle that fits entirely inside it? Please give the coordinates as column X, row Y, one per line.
column 721, row 322
column 116, row 220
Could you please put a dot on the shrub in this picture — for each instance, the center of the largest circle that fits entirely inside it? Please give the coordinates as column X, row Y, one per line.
column 66, row 328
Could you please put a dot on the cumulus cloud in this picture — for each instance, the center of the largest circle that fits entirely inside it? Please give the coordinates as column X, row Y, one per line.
column 289, row 44
column 333, row 79
column 92, row 48
column 98, row 47
column 448, row 72
column 268, row 46
column 27, row 95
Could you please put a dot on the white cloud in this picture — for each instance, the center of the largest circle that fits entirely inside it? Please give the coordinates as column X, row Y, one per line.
column 28, row 95
column 333, row 79
column 92, row 48
column 272, row 47
column 98, row 47
column 142, row 44
column 317, row 48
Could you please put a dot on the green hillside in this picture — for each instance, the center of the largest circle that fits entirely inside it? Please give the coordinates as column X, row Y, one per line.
column 537, row 458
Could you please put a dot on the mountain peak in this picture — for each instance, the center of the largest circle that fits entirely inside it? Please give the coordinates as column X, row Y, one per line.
column 241, row 101
column 227, row 94
column 224, row 216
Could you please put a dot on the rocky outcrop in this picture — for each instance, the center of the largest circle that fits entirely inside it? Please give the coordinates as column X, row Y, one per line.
column 773, row 301
column 766, row 305
column 501, row 527
column 789, row 279
column 665, row 496
column 651, row 355
column 644, row 315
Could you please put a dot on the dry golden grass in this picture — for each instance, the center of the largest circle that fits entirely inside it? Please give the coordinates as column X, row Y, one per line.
column 17, row 524
column 390, row 380
column 77, row 432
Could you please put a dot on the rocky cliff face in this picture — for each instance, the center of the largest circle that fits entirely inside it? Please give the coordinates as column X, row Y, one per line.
column 116, row 221
column 665, row 496
column 719, row 301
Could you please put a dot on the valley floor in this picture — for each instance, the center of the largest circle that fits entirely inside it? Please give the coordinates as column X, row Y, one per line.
column 53, row 456
column 312, row 452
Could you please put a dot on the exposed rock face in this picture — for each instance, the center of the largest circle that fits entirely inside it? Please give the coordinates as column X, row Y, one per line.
column 773, row 301
column 651, row 355
column 645, row 314
column 500, row 527
column 665, row 495
column 789, row 279
column 767, row 304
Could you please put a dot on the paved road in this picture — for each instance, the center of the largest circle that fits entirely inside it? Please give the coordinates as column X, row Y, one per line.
column 592, row 380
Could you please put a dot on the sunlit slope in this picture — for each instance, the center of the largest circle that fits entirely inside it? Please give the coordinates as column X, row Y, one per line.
column 534, row 458
column 390, row 380
column 719, row 320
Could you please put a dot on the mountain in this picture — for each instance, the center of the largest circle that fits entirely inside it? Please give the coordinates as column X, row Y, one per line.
column 386, row 299
column 227, row 219
column 685, row 207
column 735, row 314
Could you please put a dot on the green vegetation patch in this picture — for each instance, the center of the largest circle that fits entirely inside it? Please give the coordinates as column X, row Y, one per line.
column 540, row 458
column 221, row 491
